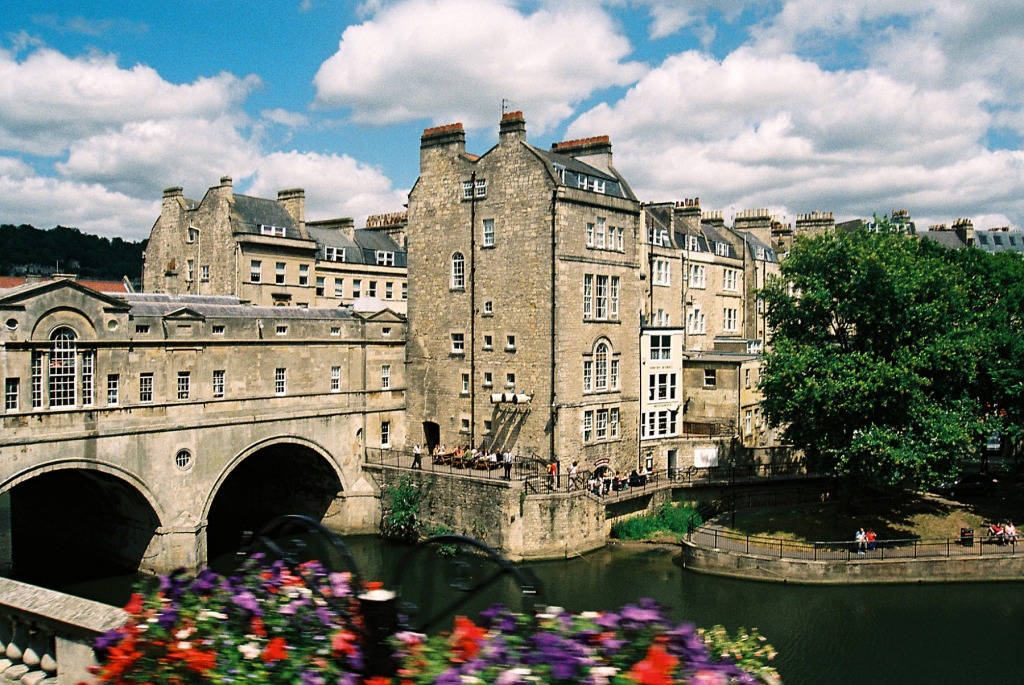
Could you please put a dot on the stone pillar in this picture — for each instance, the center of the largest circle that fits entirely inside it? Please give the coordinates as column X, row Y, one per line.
column 6, row 535
column 181, row 544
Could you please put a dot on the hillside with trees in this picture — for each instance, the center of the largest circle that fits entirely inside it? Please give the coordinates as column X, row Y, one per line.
column 28, row 250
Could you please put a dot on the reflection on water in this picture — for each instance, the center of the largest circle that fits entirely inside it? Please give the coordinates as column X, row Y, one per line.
column 837, row 635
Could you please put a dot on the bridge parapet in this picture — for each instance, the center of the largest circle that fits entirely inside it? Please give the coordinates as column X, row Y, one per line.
column 46, row 636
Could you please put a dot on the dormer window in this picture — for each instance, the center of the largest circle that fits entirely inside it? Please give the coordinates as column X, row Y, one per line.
column 193, row 234
column 334, row 254
column 692, row 243
column 270, row 229
column 385, row 258
column 721, row 249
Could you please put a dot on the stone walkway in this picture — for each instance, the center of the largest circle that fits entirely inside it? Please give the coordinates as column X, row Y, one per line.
column 713, row 537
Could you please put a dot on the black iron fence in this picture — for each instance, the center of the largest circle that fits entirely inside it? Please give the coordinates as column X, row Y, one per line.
column 852, row 550
column 603, row 482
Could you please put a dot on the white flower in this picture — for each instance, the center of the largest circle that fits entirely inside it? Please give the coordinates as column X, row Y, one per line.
column 212, row 614
column 250, row 650
column 600, row 675
column 182, row 646
column 183, row 634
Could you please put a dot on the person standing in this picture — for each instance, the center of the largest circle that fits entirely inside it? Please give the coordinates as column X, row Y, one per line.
column 417, row 456
column 574, row 473
column 506, row 462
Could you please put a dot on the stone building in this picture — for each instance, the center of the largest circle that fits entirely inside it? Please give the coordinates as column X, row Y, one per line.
column 702, row 334
column 524, row 299
column 264, row 252
column 150, row 427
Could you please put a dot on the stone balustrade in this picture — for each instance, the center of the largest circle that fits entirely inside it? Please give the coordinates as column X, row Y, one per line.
column 46, row 636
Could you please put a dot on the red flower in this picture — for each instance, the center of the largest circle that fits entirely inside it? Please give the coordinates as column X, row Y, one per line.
column 134, row 605
column 341, row 642
column 466, row 639
column 257, row 627
column 657, row 668
column 275, row 650
column 377, row 680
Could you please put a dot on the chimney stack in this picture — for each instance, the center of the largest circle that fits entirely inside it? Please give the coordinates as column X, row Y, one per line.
column 513, row 127
column 293, row 201
column 596, row 151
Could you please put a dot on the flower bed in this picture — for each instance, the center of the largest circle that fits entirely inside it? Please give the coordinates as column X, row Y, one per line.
column 272, row 624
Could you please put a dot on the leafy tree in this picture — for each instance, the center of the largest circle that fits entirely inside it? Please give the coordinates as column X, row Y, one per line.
column 874, row 370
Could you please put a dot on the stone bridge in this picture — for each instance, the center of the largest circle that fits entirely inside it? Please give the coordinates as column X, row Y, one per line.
column 149, row 436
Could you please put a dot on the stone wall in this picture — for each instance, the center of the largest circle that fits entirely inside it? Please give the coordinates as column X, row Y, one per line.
column 931, row 570
column 502, row 515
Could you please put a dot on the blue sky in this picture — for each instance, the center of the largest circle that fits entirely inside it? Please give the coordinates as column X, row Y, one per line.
column 794, row 105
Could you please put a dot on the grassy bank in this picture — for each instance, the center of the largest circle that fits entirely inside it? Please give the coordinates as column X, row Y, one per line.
column 670, row 520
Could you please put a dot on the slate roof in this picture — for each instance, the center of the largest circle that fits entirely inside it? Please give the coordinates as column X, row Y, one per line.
column 223, row 307
column 947, row 239
column 249, row 213
column 574, row 168
column 362, row 250
column 999, row 241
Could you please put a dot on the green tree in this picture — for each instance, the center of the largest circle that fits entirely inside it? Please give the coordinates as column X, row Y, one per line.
column 874, row 365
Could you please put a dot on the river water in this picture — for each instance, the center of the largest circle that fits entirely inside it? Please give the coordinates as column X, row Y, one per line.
column 878, row 634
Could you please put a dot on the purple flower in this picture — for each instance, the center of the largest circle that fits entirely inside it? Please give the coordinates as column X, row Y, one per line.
column 168, row 617
column 107, row 640
column 246, row 600
column 205, row 581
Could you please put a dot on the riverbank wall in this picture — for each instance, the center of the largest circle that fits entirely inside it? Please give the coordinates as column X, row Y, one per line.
column 721, row 562
column 500, row 513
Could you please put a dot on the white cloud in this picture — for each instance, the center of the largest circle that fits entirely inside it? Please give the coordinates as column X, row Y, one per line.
column 48, row 202
column 49, row 100
column 448, row 60
column 756, row 130
column 669, row 16
column 335, row 185
column 284, row 117
column 144, row 156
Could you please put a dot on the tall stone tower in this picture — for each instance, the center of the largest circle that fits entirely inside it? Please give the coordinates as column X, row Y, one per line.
column 524, row 298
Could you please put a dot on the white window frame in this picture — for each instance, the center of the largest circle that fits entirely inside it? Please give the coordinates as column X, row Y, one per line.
column 730, row 280
column 695, row 323
column 280, row 273
column 488, row 233
column 458, row 271
column 146, row 388
column 661, row 347
column 385, row 434
column 730, row 319
column 458, row 343
column 303, row 274
column 385, row 258
column 335, row 379
column 385, row 376
column 12, row 389
column 698, row 276
column 184, row 385
column 280, row 381
column 217, row 383
column 113, row 389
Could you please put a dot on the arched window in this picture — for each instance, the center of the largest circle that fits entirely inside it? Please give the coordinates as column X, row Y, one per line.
column 458, row 270
column 63, row 368
column 601, row 366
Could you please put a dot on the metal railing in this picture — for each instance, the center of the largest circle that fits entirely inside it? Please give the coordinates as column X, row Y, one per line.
column 533, row 471
column 847, row 550
column 522, row 468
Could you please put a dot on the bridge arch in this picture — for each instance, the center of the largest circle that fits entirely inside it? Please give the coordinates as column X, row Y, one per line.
column 75, row 520
column 280, row 475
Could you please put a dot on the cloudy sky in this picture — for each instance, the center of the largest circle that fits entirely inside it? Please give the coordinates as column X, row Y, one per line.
column 794, row 105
